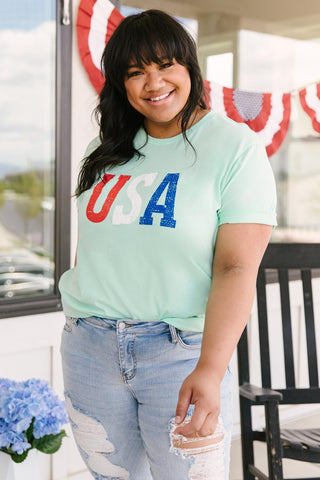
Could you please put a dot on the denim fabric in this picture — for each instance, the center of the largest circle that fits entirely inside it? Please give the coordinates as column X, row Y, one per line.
column 122, row 380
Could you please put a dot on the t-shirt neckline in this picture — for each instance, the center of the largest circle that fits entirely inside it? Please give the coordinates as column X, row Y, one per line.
column 178, row 137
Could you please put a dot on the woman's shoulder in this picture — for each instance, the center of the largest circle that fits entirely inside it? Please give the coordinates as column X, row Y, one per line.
column 224, row 129
column 92, row 145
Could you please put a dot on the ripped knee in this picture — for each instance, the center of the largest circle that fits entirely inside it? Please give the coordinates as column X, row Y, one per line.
column 92, row 440
column 208, row 452
column 195, row 444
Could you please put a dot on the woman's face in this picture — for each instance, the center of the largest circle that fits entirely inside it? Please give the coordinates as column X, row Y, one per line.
column 159, row 93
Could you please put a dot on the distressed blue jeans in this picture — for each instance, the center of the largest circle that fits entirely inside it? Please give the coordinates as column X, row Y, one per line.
column 122, row 380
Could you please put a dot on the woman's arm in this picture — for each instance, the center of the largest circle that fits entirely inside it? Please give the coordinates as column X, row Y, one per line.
column 238, row 253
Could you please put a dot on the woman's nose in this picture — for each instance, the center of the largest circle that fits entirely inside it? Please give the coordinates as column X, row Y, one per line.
column 154, row 81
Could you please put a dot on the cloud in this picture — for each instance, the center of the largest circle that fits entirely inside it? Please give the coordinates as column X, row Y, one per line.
column 27, row 95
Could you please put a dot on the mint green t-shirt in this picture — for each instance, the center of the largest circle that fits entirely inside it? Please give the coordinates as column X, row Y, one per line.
column 147, row 228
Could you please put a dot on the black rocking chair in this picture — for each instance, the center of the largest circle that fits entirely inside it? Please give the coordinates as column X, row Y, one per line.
column 295, row 262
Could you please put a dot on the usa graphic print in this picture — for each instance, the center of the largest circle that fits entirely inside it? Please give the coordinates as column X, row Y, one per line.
column 127, row 183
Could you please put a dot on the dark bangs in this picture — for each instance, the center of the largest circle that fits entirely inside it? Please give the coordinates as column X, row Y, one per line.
column 150, row 36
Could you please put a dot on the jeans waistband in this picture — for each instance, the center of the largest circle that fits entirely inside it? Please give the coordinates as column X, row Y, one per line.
column 147, row 328
column 124, row 326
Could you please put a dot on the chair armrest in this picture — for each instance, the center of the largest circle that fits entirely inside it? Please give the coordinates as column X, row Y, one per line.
column 258, row 394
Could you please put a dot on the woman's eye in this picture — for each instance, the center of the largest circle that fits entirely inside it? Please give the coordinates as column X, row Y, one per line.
column 166, row 65
column 135, row 73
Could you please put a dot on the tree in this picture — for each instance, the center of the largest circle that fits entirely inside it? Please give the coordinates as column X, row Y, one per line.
column 2, row 199
column 29, row 188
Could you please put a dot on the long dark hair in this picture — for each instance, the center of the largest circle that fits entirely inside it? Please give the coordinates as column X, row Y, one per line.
column 145, row 37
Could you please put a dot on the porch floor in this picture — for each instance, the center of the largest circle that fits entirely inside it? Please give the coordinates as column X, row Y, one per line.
column 291, row 468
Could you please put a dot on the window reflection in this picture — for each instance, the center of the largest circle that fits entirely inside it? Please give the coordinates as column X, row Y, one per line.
column 27, row 148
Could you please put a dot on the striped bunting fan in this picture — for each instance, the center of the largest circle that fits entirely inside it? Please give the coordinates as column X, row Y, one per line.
column 310, row 101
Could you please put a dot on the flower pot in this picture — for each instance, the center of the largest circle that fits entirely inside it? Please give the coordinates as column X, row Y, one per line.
column 26, row 470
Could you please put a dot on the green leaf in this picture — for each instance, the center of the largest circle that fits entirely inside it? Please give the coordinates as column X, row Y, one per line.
column 49, row 443
column 29, row 432
column 20, row 458
column 7, row 450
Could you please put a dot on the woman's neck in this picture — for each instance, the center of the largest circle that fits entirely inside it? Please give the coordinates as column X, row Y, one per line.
column 173, row 127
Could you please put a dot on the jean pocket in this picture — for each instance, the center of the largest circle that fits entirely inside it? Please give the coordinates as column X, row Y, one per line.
column 69, row 324
column 188, row 339
column 104, row 323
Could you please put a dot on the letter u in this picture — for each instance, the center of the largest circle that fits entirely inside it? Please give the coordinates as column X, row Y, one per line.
column 97, row 217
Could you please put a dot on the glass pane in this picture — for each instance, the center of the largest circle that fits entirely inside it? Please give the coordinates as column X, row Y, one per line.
column 27, row 147
column 272, row 63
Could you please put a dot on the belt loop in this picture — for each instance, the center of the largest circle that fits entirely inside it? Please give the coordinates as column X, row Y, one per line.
column 173, row 331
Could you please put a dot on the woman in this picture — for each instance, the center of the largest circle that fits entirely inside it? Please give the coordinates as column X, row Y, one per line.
column 176, row 206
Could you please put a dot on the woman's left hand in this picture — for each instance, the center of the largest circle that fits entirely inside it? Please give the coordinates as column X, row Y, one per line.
column 201, row 389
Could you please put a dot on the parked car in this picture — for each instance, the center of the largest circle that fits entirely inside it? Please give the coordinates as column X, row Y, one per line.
column 27, row 267
column 25, row 274
column 19, row 284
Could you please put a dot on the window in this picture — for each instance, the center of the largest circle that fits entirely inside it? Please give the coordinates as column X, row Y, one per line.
column 34, row 155
column 220, row 69
column 278, row 60
column 283, row 64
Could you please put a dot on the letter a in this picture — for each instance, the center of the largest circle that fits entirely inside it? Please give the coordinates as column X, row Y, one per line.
column 167, row 210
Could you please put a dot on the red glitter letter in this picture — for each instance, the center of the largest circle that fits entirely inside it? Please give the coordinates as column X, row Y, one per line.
column 100, row 216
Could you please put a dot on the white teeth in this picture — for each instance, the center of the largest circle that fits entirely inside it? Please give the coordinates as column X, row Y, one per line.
column 156, row 99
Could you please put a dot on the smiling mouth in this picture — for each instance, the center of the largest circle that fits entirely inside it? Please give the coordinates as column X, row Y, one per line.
column 161, row 97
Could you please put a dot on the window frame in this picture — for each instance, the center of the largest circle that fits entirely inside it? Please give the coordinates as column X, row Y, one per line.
column 52, row 303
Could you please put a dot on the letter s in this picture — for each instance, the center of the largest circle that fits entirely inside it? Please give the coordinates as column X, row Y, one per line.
column 118, row 216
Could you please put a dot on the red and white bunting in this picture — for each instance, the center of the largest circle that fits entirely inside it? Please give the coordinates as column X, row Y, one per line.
column 310, row 101
column 268, row 114
column 96, row 22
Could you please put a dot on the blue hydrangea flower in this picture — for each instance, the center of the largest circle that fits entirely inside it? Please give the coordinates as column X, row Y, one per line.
column 24, row 402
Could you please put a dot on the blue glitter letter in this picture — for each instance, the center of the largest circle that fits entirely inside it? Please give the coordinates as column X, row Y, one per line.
column 170, row 180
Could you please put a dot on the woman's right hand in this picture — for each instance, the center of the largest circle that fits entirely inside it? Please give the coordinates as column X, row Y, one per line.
column 202, row 389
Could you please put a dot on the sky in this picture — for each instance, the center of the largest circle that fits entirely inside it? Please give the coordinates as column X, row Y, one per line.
column 25, row 14
column 27, row 56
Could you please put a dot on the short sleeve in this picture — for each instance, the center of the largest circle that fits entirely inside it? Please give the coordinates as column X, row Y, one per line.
column 248, row 191
column 92, row 146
